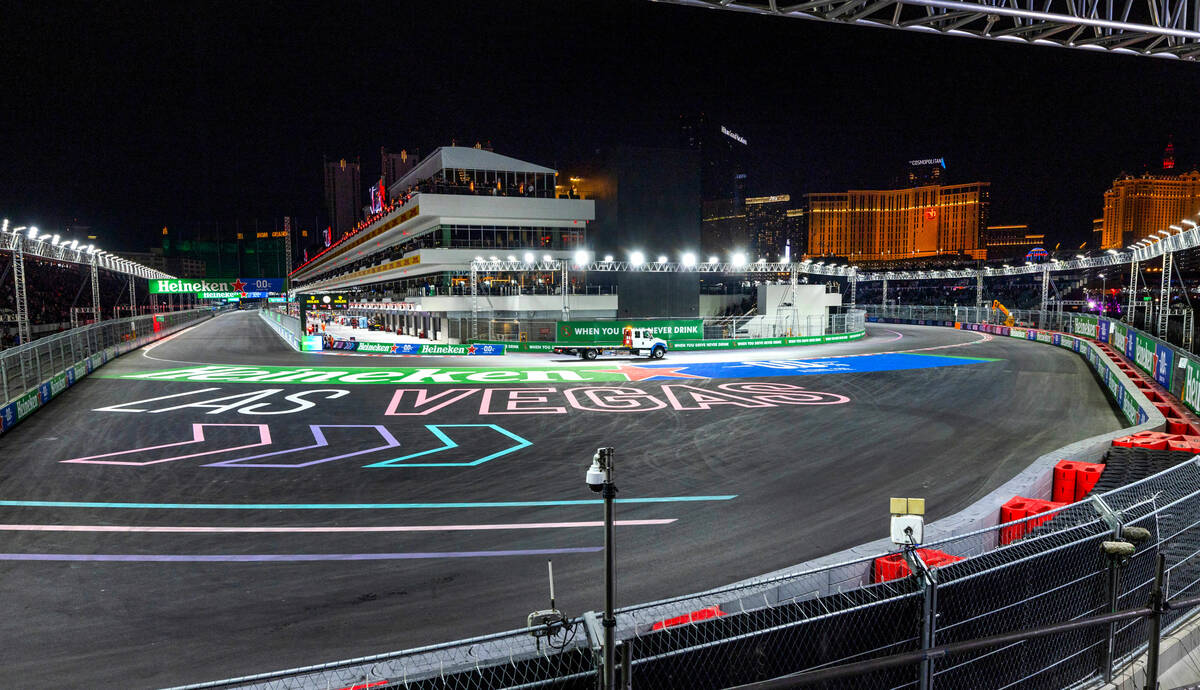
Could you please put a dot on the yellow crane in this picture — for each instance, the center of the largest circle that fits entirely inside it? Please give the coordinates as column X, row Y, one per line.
column 1008, row 318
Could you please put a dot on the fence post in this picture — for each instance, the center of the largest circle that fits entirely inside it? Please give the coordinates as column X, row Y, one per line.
column 1156, row 603
column 928, row 626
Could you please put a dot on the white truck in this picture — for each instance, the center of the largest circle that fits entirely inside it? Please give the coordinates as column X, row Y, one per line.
column 634, row 342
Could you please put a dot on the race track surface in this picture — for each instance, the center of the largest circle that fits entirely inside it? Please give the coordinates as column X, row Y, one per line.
column 164, row 523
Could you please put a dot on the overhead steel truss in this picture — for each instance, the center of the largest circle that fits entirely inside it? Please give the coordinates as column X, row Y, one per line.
column 12, row 240
column 1159, row 28
column 1188, row 239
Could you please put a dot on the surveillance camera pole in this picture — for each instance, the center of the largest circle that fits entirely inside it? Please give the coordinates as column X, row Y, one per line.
column 608, row 493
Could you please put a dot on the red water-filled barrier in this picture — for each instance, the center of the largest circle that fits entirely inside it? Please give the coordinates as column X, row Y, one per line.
column 1018, row 507
column 894, row 567
column 1178, row 425
column 693, row 617
column 1073, row 480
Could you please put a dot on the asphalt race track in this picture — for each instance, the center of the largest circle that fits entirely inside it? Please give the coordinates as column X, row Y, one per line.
column 167, row 521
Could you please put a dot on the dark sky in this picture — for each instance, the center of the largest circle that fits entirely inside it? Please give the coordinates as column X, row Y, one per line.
column 128, row 116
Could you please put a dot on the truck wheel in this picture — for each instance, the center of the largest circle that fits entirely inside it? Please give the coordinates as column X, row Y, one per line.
column 589, row 354
column 658, row 353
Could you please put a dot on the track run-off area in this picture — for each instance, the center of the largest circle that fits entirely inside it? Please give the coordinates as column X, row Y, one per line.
column 218, row 504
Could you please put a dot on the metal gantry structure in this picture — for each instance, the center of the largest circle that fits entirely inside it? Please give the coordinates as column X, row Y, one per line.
column 1163, row 244
column 1159, row 28
column 21, row 241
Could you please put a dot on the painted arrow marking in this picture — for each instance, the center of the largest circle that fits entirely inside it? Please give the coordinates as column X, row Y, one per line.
column 389, row 442
column 264, row 439
column 449, row 444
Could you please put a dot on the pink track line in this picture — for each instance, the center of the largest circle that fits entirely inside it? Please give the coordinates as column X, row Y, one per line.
column 264, row 434
column 334, row 530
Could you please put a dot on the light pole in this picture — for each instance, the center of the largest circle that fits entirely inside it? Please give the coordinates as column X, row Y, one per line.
column 1103, row 288
column 600, row 479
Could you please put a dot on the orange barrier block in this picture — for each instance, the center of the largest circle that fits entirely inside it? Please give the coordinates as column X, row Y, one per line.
column 1124, row 441
column 1165, row 409
column 1015, row 509
column 1064, row 481
column 894, row 567
column 1085, row 478
column 1177, row 426
column 1146, row 443
column 693, row 617
column 1189, row 443
column 1046, row 509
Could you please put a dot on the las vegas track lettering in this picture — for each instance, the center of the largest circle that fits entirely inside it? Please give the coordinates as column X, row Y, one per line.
column 498, row 401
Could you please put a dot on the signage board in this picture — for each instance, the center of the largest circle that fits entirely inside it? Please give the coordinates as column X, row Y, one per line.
column 324, row 302
column 175, row 286
column 277, row 300
column 311, row 343
column 613, row 331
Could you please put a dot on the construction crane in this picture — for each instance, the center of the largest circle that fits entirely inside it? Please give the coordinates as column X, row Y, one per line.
column 1008, row 318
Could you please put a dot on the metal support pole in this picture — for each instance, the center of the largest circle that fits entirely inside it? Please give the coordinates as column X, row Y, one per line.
column 601, row 472
column 1131, row 311
column 1045, row 295
column 884, row 292
column 1164, row 298
column 23, row 328
column 133, row 295
column 1156, row 605
column 928, row 579
column 979, row 290
column 853, row 289
column 566, row 305
column 474, row 301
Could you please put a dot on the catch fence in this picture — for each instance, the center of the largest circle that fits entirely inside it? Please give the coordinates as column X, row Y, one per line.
column 25, row 367
column 1045, row 569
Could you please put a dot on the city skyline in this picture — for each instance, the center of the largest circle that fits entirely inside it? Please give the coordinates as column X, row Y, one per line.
column 191, row 116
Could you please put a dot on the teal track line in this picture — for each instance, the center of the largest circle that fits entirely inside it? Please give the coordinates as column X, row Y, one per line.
column 353, row 506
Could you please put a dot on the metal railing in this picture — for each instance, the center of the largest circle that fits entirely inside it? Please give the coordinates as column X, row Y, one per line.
column 24, row 367
column 1042, row 570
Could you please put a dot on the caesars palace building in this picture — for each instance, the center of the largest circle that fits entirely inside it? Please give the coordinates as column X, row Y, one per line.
column 408, row 265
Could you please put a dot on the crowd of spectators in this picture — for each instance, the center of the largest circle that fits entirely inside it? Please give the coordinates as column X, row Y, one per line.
column 53, row 288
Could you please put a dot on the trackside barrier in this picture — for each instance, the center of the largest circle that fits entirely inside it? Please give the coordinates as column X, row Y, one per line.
column 34, row 373
column 830, row 611
column 285, row 325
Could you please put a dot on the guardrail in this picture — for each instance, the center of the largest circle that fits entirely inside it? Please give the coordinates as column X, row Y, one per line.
column 33, row 373
column 831, row 612
column 285, row 325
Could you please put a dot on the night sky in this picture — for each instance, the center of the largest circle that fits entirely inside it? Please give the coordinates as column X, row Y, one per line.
column 129, row 116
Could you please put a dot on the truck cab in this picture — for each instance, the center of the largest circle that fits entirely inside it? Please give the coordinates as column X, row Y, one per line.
column 634, row 341
column 637, row 340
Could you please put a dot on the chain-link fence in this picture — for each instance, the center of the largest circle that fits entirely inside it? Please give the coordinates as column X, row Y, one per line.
column 25, row 367
column 1044, row 569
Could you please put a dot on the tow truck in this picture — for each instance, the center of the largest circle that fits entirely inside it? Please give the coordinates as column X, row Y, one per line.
column 634, row 341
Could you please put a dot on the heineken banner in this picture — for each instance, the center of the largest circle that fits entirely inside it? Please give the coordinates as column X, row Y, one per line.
column 1164, row 357
column 1191, row 385
column 1117, row 336
column 239, row 285
column 1143, row 354
column 476, row 350
column 612, row 332
column 1086, row 326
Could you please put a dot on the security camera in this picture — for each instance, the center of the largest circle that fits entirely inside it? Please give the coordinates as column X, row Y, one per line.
column 595, row 474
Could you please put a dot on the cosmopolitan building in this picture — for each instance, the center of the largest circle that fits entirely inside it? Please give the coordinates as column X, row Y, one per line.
column 881, row 225
column 1139, row 206
column 414, row 257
